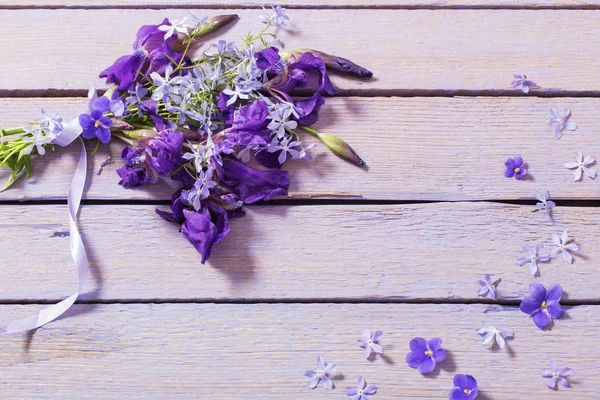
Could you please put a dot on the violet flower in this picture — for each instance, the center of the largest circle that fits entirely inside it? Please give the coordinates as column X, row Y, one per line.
column 489, row 287
column 545, row 204
column 95, row 124
column 370, row 343
column 556, row 375
column 252, row 185
column 542, row 305
column 361, row 391
column 559, row 121
column 136, row 171
column 465, row 388
column 582, row 165
column 425, row 354
column 565, row 246
column 532, row 257
column 492, row 335
column 163, row 153
column 521, row 80
column 515, row 167
column 321, row 374
column 269, row 60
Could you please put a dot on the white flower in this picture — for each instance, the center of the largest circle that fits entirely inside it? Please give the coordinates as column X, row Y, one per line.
column 564, row 246
column 532, row 257
column 582, row 165
column 176, row 26
column 491, row 335
column 38, row 139
column 559, row 121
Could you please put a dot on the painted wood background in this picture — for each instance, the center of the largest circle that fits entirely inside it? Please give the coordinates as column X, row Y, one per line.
column 397, row 247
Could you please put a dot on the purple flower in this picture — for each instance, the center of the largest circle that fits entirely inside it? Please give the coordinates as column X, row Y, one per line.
column 465, row 388
column 489, row 287
column 532, row 257
column 425, row 354
column 545, row 204
column 362, row 391
column 321, row 374
column 514, row 167
column 370, row 344
column 95, row 124
column 556, row 375
column 521, row 80
column 309, row 109
column 564, row 245
column 269, row 60
column 542, row 305
column 252, row 185
column 163, row 153
column 136, row 171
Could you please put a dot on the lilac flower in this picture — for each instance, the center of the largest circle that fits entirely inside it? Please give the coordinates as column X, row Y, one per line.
column 514, row 167
column 521, row 80
column 201, row 189
column 545, row 204
column 489, row 287
column 565, row 246
column 582, row 165
column 542, row 305
column 321, row 374
column 465, row 388
column 362, row 391
column 556, row 375
column 492, row 335
column 532, row 257
column 559, row 121
column 425, row 354
column 370, row 344
column 284, row 148
column 278, row 17
column 39, row 138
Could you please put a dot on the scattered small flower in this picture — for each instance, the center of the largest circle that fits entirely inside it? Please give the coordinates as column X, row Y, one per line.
column 425, row 354
column 492, row 335
column 489, row 287
column 465, row 388
column 521, row 80
column 370, row 344
column 565, row 246
column 582, row 165
column 321, row 374
column 559, row 121
column 542, row 305
column 532, row 257
column 277, row 18
column 362, row 391
column 556, row 375
column 545, row 204
column 515, row 167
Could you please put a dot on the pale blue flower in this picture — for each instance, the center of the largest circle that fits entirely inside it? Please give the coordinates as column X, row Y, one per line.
column 532, row 257
column 564, row 245
column 556, row 375
column 370, row 343
column 559, row 121
column 492, row 335
column 321, row 374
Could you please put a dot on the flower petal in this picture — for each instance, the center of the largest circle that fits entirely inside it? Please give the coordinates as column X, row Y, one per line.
column 361, row 343
column 564, row 382
column 554, row 293
column 367, row 334
column 577, row 174
column 415, row 358
column 371, row 389
column 418, row 344
column 546, row 373
column 571, row 164
column 377, row 335
column 327, row 382
column 530, row 305
column 434, row 344
column 537, row 292
column 500, row 340
column 313, row 381
column 565, row 371
column 320, row 363
column 589, row 172
column 427, row 366
column 361, row 383
column 377, row 348
column 542, row 319
column 439, row 355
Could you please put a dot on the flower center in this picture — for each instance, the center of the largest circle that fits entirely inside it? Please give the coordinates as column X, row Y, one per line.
column 319, row 372
column 429, row 353
column 370, row 342
column 360, row 391
column 467, row 391
column 517, row 169
column 544, row 305
column 97, row 124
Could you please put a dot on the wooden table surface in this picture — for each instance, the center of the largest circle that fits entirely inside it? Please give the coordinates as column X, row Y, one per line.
column 398, row 247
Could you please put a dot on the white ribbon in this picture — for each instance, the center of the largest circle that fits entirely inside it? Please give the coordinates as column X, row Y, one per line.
column 49, row 314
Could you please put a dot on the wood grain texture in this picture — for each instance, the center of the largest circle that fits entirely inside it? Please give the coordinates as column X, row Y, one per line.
column 427, row 251
column 299, row 3
column 259, row 351
column 468, row 49
column 416, row 149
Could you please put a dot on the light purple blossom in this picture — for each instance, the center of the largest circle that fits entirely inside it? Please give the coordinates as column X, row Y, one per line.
column 556, row 375
column 542, row 305
column 362, row 391
column 559, row 121
column 515, row 167
column 489, row 287
column 521, row 80
column 492, row 335
column 321, row 374
column 582, row 165
column 285, row 147
column 545, row 204
column 370, row 343
column 565, row 246
column 532, row 257
column 425, row 354
column 278, row 17
column 465, row 388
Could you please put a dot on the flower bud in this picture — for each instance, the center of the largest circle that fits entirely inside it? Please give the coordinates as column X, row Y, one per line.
column 138, row 134
column 119, row 125
column 334, row 63
column 214, row 23
column 340, row 148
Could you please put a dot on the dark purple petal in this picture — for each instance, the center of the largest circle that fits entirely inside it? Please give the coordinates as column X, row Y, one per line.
column 103, row 134
column 470, row 383
column 269, row 160
column 101, row 104
column 252, row 116
column 458, row 394
column 434, row 344
column 538, row 292
column 554, row 294
column 522, row 171
column 427, row 366
column 268, row 59
column 150, row 37
column 460, row 381
column 164, row 151
column 509, row 172
column 126, row 70
column 418, row 344
column 161, row 58
column 200, row 231
column 518, row 160
column 555, row 310
column 416, row 358
column 530, row 305
column 252, row 185
column 510, row 163
column 85, row 121
column 132, row 177
column 150, row 107
column 310, row 109
column 542, row 319
column 439, row 355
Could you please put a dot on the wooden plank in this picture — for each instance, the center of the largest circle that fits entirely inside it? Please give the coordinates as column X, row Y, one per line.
column 173, row 351
column 300, row 3
column 427, row 251
column 416, row 149
column 72, row 46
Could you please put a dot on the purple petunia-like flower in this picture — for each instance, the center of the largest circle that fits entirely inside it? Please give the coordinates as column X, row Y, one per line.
column 542, row 305
column 556, row 375
column 321, row 374
column 515, row 167
column 521, row 80
column 465, row 388
column 370, row 343
column 425, row 354
column 95, row 124
column 361, row 391
column 489, row 287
